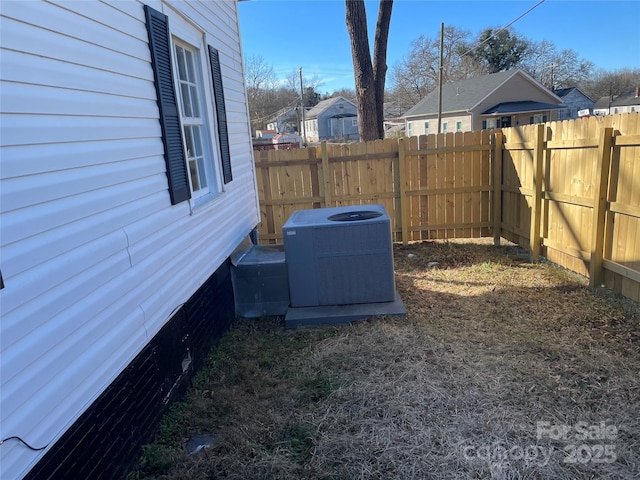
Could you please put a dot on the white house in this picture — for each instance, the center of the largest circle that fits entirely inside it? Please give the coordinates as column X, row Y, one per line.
column 627, row 102
column 127, row 180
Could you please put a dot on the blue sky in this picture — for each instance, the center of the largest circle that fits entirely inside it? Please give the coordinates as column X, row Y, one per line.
column 312, row 34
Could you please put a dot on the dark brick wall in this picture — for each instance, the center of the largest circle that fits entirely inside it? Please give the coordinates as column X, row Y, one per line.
column 106, row 440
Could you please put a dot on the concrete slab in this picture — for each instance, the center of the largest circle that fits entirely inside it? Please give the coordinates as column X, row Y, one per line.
column 340, row 314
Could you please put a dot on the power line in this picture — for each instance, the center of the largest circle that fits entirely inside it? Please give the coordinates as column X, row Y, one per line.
column 503, row 28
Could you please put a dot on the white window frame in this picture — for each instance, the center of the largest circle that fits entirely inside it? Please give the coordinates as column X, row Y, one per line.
column 187, row 36
column 426, row 128
column 458, row 126
column 445, row 127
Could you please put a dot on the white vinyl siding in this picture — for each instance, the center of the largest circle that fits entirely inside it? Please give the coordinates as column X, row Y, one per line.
column 93, row 256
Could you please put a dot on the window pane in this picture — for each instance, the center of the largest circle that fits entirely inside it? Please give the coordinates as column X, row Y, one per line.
column 188, row 137
column 195, row 104
column 193, row 171
column 197, row 141
column 182, row 71
column 191, row 76
column 202, row 172
column 187, row 110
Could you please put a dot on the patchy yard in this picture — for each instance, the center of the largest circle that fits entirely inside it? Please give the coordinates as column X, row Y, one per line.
column 501, row 369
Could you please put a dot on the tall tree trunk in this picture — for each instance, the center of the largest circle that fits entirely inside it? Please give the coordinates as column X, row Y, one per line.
column 380, row 59
column 369, row 78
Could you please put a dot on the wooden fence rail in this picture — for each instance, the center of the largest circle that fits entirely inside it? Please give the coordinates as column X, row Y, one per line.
column 569, row 191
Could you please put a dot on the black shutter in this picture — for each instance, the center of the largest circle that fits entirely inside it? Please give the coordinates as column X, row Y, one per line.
column 221, row 111
column 160, row 46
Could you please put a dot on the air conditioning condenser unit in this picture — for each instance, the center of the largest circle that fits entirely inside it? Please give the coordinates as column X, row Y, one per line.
column 339, row 256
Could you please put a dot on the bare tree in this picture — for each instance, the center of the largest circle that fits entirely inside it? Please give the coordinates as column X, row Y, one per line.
column 604, row 83
column 369, row 76
column 417, row 74
column 348, row 93
column 553, row 68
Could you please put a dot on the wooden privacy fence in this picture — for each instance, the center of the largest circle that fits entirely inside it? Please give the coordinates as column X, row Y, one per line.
column 571, row 191
column 567, row 190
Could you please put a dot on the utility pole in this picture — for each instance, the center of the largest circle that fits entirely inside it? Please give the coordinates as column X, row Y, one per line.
column 304, row 128
column 440, row 69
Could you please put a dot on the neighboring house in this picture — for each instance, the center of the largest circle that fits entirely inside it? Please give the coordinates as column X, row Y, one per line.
column 576, row 101
column 125, row 187
column 332, row 119
column 504, row 99
column 602, row 106
column 286, row 120
column 624, row 103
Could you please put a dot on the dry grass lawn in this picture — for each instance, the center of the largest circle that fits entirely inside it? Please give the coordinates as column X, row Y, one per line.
column 492, row 347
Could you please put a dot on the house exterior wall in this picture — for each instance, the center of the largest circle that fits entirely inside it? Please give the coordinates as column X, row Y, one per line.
column 95, row 260
column 514, row 90
column 345, row 128
column 326, row 127
column 575, row 101
column 460, row 122
column 625, row 109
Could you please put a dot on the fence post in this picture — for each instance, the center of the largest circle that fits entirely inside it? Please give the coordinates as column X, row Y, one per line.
column 326, row 178
column 404, row 216
column 538, row 158
column 496, row 163
column 601, row 176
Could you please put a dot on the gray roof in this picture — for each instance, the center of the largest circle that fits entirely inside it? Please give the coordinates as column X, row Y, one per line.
column 463, row 95
column 563, row 92
column 625, row 99
column 316, row 111
column 521, row 107
column 622, row 100
column 603, row 102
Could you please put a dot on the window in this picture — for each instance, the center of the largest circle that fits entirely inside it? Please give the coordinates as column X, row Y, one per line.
column 484, row 124
column 408, row 129
column 458, row 126
column 195, row 154
column 426, row 128
column 193, row 123
column 538, row 119
column 354, row 122
column 445, row 127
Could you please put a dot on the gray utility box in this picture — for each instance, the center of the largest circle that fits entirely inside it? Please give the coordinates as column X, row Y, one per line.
column 339, row 256
column 260, row 284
